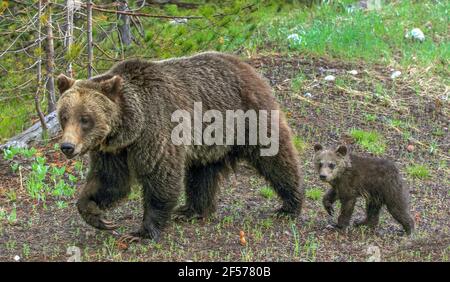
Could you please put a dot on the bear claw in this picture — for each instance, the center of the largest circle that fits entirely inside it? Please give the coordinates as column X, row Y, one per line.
column 129, row 238
column 185, row 214
column 101, row 223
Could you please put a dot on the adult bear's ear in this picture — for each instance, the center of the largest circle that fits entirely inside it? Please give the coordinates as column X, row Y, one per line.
column 63, row 83
column 317, row 147
column 112, row 87
column 342, row 150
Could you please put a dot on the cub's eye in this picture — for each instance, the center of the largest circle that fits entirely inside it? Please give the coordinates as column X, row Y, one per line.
column 320, row 164
column 331, row 166
column 84, row 120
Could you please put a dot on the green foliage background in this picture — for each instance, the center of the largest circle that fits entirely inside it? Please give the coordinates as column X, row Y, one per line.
column 337, row 29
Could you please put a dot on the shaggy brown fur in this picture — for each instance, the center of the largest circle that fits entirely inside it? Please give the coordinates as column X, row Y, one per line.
column 352, row 176
column 123, row 119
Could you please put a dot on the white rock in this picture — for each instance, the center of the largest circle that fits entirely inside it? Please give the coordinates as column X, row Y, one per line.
column 294, row 37
column 17, row 258
column 308, row 95
column 416, row 34
column 374, row 254
column 329, row 78
column 75, row 254
column 396, row 74
column 178, row 21
column 353, row 72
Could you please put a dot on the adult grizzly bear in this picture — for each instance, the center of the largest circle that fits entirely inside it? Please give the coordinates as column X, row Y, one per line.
column 123, row 119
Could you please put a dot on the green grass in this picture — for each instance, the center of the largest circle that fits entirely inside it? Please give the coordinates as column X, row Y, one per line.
column 314, row 193
column 299, row 144
column 373, row 36
column 297, row 82
column 418, row 171
column 372, row 141
column 267, row 192
column 327, row 30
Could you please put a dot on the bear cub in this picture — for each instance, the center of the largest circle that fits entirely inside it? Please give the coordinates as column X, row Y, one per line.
column 352, row 176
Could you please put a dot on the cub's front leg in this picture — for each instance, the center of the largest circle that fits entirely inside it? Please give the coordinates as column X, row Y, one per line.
column 328, row 200
column 347, row 207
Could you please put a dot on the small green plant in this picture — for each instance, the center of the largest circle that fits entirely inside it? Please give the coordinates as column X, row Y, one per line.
column 299, row 144
column 267, row 223
column 12, row 217
column 25, row 250
column 267, row 192
column 61, row 204
column 296, row 240
column 397, row 123
column 28, row 153
column 314, row 193
column 297, row 82
column 418, row 171
column 370, row 117
column 228, row 219
column 14, row 167
column 35, row 182
column 310, row 248
column 9, row 153
column 11, row 194
column 369, row 140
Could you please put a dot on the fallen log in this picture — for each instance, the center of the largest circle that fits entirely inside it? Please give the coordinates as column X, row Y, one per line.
column 34, row 133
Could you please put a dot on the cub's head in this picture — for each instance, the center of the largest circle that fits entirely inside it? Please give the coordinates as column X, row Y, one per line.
column 330, row 163
column 88, row 111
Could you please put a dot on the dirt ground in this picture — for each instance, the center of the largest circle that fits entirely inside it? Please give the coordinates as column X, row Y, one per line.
column 318, row 111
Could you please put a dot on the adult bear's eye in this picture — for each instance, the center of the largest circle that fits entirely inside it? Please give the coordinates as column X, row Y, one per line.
column 331, row 166
column 84, row 121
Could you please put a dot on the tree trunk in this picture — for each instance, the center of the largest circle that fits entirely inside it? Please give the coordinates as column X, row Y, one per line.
column 50, row 61
column 70, row 6
column 34, row 133
column 89, row 38
column 39, row 73
column 124, row 23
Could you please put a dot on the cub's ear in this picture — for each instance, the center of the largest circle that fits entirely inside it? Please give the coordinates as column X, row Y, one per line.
column 112, row 87
column 318, row 147
column 342, row 150
column 63, row 82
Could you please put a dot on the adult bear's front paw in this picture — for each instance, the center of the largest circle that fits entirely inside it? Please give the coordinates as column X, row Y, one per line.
column 92, row 215
column 143, row 233
column 99, row 222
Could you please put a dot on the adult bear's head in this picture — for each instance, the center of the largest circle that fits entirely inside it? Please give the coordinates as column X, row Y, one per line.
column 88, row 112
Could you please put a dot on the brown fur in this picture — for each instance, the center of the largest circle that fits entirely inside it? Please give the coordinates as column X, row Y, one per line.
column 126, row 129
column 352, row 176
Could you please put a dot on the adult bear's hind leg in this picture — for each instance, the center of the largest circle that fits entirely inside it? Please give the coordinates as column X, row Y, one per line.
column 107, row 183
column 202, row 184
column 283, row 172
